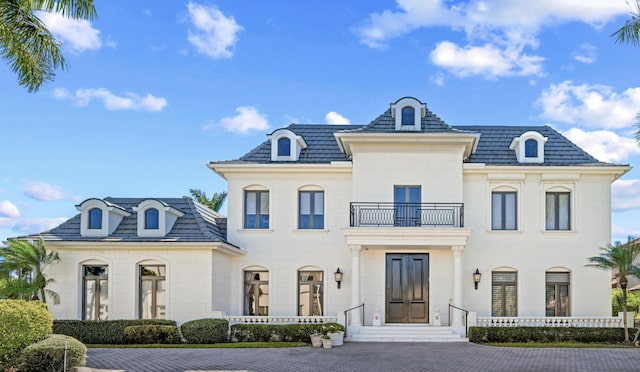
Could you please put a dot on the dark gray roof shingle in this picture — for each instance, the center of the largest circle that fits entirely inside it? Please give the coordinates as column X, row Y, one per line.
column 197, row 225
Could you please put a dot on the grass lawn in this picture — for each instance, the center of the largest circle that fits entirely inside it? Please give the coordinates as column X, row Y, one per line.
column 234, row 345
column 574, row 345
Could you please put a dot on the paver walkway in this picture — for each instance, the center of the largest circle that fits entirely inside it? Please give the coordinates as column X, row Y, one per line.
column 368, row 357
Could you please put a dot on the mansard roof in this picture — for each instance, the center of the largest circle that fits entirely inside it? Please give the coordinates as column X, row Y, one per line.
column 199, row 224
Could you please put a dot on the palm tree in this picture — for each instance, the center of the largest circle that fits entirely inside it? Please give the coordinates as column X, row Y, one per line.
column 214, row 203
column 630, row 32
column 22, row 268
column 621, row 258
column 27, row 45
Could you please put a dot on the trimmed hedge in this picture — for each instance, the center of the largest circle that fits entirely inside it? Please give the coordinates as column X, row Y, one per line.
column 152, row 334
column 21, row 324
column 48, row 354
column 205, row 331
column 102, row 331
column 279, row 332
column 481, row 335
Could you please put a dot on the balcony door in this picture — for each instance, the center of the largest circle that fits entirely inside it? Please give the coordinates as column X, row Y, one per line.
column 406, row 201
column 407, row 288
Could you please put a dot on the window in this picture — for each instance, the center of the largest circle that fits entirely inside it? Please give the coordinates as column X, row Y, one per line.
column 408, row 115
column 504, row 293
column 284, row 147
column 311, row 206
column 256, row 293
column 530, row 148
column 310, row 289
column 406, row 201
column 557, row 214
column 95, row 218
column 503, row 211
column 95, row 292
column 256, row 209
column 557, row 294
column 152, row 292
column 151, row 219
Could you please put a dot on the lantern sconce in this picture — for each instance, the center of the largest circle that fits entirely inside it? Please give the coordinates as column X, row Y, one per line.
column 476, row 278
column 338, row 277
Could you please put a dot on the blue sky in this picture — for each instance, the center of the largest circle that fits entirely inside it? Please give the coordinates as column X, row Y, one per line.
column 155, row 90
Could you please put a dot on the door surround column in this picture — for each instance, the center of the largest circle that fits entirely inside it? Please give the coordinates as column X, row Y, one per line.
column 457, row 251
column 356, row 298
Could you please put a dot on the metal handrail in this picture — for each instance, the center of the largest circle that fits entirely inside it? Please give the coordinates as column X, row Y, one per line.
column 346, row 317
column 466, row 318
column 390, row 214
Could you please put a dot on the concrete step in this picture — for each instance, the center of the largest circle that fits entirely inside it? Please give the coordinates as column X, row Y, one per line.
column 405, row 333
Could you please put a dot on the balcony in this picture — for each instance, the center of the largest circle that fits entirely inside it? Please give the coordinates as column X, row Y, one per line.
column 406, row 214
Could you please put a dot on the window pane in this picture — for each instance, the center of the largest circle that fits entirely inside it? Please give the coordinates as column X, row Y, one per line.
column 160, row 299
column 563, row 300
column 95, row 218
column 284, row 147
column 90, row 299
column 408, row 116
column 310, row 293
column 264, row 203
column 496, row 211
column 104, row 299
column 563, row 211
column 510, row 300
column 151, row 218
column 550, row 211
column 256, row 295
column 305, row 203
column 510, row 211
column 531, row 148
column 496, row 300
column 318, row 203
column 146, row 298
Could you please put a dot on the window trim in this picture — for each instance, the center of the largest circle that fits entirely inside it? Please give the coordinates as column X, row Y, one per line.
column 312, row 208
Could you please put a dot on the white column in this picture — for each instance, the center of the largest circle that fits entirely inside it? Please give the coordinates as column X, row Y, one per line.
column 457, row 285
column 355, row 285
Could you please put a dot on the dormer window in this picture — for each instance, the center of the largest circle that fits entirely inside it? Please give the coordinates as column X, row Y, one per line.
column 529, row 147
column 151, row 219
column 99, row 218
column 408, row 113
column 286, row 145
column 95, row 218
column 156, row 218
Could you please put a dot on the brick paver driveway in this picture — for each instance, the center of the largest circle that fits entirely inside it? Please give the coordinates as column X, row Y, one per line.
column 368, row 357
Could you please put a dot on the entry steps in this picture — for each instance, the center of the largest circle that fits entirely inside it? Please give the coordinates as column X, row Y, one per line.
column 405, row 333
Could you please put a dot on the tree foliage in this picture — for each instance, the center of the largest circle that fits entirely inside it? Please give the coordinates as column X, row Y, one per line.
column 216, row 201
column 630, row 31
column 22, row 267
column 621, row 258
column 30, row 49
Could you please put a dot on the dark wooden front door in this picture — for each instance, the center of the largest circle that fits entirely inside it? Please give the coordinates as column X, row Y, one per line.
column 407, row 292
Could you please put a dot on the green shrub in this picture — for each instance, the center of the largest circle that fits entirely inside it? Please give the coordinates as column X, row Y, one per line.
column 279, row 332
column 102, row 331
column 48, row 354
column 547, row 334
column 633, row 302
column 21, row 324
column 152, row 334
column 205, row 331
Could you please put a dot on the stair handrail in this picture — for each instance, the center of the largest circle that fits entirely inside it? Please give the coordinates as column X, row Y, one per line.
column 466, row 318
column 346, row 317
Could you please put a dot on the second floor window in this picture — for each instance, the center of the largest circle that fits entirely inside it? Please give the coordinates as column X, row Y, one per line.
column 256, row 209
column 311, row 210
column 503, row 211
column 558, row 211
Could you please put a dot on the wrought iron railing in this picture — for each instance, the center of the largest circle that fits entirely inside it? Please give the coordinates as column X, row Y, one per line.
column 466, row 318
column 365, row 214
column 346, row 317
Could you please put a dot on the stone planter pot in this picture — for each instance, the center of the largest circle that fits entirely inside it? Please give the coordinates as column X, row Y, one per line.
column 337, row 338
column 326, row 343
column 316, row 340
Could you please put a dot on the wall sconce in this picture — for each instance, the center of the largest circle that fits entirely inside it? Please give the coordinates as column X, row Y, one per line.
column 338, row 277
column 476, row 278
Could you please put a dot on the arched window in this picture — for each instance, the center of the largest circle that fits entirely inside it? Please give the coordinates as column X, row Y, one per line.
column 95, row 218
column 284, row 146
column 408, row 115
column 310, row 293
column 151, row 219
column 256, row 292
column 530, row 148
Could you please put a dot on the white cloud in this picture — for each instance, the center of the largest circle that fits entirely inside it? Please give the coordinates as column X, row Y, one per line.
column 586, row 54
column 248, row 119
column 130, row 101
column 625, row 195
column 589, row 105
column 43, row 191
column 8, row 209
column 75, row 34
column 31, row 225
column 333, row 117
column 604, row 145
column 215, row 35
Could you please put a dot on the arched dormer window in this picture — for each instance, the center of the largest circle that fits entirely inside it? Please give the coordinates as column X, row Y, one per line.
column 95, row 218
column 151, row 219
column 408, row 113
column 408, row 116
column 529, row 147
column 286, row 145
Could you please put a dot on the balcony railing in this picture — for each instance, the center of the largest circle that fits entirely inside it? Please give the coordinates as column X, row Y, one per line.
column 365, row 214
